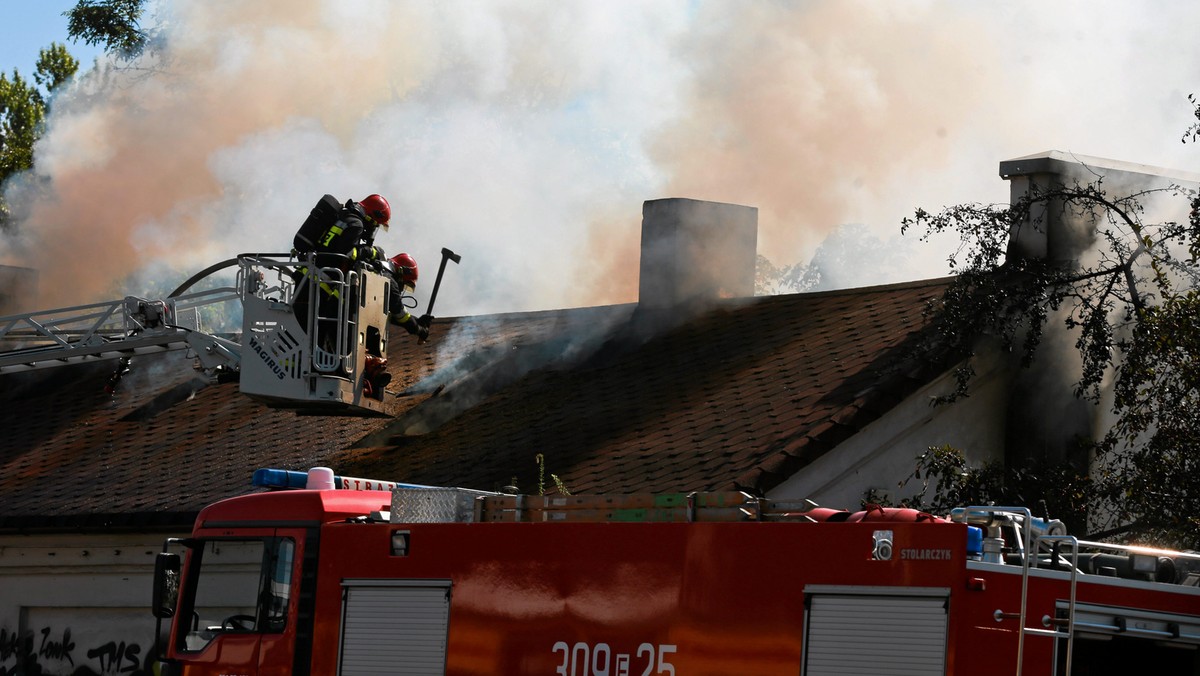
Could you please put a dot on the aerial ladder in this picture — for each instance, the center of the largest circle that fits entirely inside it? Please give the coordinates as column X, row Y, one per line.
column 314, row 361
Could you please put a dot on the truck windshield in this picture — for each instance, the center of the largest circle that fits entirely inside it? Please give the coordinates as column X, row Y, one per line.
column 240, row 586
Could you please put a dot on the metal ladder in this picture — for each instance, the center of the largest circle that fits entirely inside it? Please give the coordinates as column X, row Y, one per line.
column 110, row 330
column 1052, row 627
column 329, row 332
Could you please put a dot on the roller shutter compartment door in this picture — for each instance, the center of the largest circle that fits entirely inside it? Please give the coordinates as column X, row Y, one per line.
column 394, row 628
column 854, row 634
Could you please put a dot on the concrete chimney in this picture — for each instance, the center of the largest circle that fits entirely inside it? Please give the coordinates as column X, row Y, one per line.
column 694, row 251
column 1059, row 234
column 1045, row 419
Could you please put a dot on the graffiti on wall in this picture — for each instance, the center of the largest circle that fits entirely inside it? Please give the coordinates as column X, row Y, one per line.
column 50, row 651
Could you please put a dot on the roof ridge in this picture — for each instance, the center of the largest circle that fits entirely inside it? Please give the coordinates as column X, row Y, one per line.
column 534, row 314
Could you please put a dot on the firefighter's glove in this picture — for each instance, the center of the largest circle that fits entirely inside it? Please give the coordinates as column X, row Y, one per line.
column 424, row 322
column 413, row 326
column 369, row 254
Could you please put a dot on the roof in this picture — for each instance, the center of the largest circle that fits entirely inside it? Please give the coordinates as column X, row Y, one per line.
column 1068, row 163
column 741, row 395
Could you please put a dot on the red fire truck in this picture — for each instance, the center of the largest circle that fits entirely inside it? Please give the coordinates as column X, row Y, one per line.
column 422, row 580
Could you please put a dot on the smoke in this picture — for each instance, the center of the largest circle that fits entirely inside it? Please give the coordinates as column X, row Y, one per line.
column 812, row 108
column 526, row 135
column 495, row 130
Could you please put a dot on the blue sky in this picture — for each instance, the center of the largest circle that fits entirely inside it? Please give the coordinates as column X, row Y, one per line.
column 28, row 26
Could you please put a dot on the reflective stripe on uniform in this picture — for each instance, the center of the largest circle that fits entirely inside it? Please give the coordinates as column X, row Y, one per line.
column 324, row 286
column 333, row 231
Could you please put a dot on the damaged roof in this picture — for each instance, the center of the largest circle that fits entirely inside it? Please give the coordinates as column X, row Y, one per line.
column 612, row 399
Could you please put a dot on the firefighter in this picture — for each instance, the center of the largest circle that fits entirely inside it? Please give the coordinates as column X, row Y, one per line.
column 351, row 234
column 402, row 268
column 339, row 238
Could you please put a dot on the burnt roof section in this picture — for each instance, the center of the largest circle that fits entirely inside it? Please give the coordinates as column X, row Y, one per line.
column 614, row 400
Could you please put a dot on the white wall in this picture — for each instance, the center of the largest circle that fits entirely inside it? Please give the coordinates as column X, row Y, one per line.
column 80, row 604
column 77, row 604
column 885, row 452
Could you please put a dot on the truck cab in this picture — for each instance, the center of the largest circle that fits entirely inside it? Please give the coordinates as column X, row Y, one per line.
column 242, row 600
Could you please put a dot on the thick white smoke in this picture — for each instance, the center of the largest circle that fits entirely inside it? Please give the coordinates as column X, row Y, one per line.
column 498, row 130
column 525, row 135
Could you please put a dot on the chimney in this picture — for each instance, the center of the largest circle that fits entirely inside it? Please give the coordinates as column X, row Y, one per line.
column 1045, row 419
column 1059, row 234
column 695, row 251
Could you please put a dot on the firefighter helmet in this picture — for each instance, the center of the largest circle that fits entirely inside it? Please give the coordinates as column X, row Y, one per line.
column 406, row 268
column 377, row 207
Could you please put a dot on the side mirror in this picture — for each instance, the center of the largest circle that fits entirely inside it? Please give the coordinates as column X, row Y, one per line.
column 166, row 585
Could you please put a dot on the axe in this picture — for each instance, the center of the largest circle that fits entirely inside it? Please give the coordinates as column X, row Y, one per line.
column 437, row 283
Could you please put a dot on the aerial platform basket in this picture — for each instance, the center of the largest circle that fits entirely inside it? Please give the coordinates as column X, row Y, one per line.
column 313, row 359
column 309, row 355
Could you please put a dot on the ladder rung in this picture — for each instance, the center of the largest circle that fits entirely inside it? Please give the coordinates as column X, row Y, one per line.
column 1046, row 632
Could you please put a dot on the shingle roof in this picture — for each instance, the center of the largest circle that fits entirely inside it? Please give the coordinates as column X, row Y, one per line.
column 615, row 400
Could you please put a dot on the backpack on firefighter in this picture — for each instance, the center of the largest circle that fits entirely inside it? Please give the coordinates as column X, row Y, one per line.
column 322, row 217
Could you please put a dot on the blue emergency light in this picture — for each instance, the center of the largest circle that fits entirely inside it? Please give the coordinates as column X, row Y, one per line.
column 974, row 542
column 280, row 479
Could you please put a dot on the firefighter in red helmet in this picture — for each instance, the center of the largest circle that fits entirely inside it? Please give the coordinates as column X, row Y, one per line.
column 377, row 211
column 402, row 268
column 337, row 233
column 338, row 236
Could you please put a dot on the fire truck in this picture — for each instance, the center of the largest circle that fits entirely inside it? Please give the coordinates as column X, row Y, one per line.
column 404, row 579
column 314, row 361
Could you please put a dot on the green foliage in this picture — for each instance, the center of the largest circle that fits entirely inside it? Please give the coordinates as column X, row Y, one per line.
column 112, row 23
column 1153, row 452
column 948, row 481
column 1012, row 300
column 558, row 484
column 23, row 108
column 1193, row 132
column 55, row 65
column 25, row 105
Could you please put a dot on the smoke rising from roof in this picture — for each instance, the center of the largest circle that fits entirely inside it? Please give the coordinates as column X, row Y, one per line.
column 813, row 107
column 526, row 135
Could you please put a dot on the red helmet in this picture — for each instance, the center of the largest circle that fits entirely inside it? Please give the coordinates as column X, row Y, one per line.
column 377, row 207
column 406, row 268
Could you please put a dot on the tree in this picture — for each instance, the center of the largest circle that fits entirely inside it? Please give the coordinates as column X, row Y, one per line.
column 771, row 279
column 836, row 264
column 23, row 107
column 1132, row 308
column 1048, row 488
column 112, row 23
